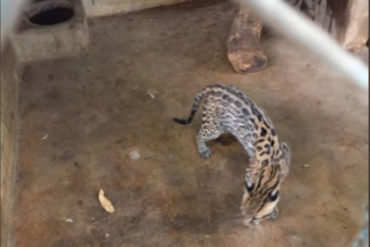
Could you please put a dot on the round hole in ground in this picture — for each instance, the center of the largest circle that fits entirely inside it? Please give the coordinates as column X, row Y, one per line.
column 52, row 16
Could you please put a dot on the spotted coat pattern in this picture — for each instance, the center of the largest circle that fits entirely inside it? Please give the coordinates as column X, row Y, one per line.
column 228, row 110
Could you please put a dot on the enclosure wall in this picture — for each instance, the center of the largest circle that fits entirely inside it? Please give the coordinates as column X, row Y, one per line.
column 9, row 133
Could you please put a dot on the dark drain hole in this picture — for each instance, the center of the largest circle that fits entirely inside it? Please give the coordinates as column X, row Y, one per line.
column 52, row 16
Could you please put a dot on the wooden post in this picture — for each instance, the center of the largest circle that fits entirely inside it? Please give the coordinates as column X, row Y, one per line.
column 244, row 52
column 356, row 30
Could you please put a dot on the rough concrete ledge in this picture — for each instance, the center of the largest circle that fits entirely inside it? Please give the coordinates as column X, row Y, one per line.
column 96, row 8
column 39, row 42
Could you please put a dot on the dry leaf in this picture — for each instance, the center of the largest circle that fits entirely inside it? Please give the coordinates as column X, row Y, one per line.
column 134, row 155
column 106, row 204
column 151, row 95
column 68, row 220
column 45, row 137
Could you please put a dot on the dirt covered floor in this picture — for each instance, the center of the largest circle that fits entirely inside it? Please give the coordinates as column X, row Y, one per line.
column 104, row 120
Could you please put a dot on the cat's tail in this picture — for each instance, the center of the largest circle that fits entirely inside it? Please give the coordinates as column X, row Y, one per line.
column 198, row 98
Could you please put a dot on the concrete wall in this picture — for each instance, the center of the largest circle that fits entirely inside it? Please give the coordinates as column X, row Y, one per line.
column 9, row 133
column 95, row 8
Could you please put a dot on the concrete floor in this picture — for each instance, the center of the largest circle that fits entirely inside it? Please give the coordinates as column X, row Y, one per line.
column 83, row 116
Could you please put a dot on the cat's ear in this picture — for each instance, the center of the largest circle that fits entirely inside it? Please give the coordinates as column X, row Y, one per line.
column 248, row 186
column 286, row 157
column 286, row 152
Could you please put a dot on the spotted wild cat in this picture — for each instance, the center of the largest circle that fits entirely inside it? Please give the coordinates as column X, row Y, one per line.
column 227, row 110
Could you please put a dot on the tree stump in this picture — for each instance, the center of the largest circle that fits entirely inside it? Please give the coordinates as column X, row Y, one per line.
column 244, row 52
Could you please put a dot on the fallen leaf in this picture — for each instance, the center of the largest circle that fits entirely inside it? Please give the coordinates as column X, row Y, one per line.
column 151, row 95
column 68, row 220
column 106, row 204
column 45, row 137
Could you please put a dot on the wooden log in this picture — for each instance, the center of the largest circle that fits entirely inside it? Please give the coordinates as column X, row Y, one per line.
column 244, row 51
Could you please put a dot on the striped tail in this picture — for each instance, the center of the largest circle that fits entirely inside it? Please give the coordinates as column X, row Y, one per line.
column 197, row 100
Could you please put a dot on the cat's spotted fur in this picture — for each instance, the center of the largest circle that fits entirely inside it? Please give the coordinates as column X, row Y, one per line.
column 227, row 110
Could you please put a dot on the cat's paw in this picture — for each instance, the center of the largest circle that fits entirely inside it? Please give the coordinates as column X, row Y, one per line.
column 206, row 154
